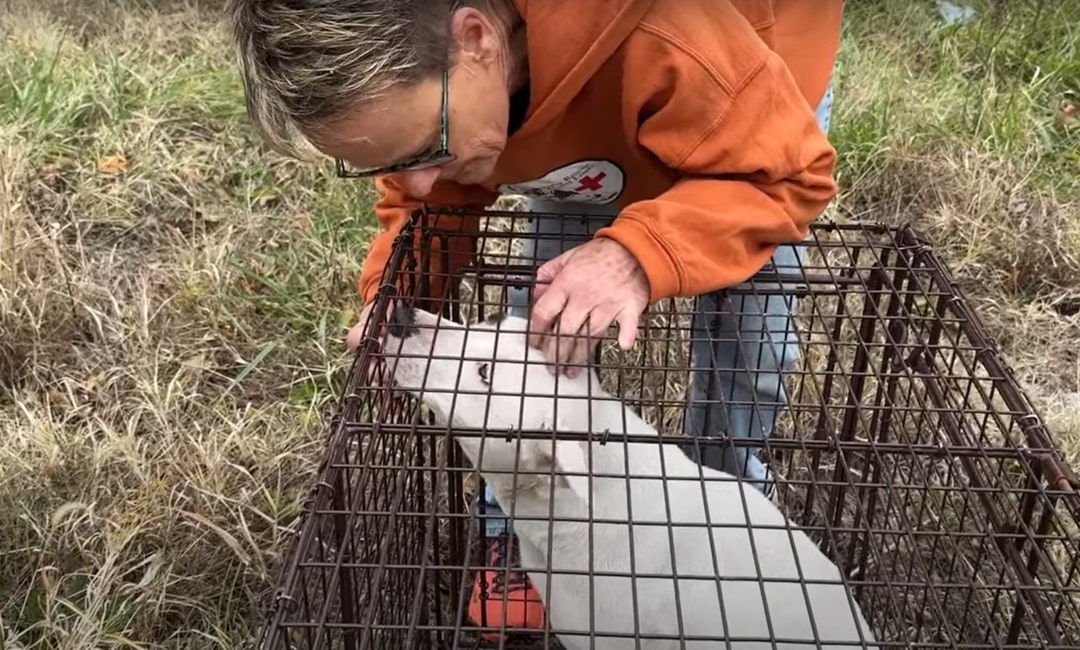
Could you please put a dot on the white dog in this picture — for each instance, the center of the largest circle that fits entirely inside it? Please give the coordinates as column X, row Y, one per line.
column 481, row 378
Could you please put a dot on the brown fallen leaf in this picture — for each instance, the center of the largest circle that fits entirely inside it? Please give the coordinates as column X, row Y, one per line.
column 114, row 164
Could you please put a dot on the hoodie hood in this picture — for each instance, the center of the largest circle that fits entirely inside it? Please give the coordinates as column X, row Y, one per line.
column 573, row 38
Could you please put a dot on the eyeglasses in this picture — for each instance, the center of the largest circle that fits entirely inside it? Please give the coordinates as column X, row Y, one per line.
column 439, row 157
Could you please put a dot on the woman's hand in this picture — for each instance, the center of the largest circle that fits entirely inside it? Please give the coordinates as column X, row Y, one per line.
column 353, row 339
column 591, row 287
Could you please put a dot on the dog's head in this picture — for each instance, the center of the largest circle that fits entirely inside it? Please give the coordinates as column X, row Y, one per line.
column 486, row 377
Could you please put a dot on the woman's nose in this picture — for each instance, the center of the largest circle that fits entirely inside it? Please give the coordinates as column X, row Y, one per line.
column 418, row 183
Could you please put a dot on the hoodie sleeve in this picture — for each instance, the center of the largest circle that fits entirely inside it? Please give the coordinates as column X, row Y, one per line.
column 393, row 210
column 755, row 168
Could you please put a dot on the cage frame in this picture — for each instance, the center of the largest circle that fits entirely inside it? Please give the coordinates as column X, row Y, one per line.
column 1049, row 475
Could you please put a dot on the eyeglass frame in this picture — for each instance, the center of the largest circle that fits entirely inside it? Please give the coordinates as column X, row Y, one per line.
column 440, row 157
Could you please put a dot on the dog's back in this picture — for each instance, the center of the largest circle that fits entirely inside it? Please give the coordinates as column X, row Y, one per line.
column 774, row 583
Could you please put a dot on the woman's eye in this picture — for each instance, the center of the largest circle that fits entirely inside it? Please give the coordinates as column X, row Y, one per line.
column 483, row 370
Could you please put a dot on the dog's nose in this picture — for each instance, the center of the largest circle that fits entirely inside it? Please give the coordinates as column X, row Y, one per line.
column 402, row 323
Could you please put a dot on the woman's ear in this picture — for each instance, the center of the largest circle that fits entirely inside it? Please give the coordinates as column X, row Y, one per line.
column 476, row 36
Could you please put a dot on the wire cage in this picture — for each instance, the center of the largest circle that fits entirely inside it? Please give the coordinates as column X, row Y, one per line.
column 907, row 453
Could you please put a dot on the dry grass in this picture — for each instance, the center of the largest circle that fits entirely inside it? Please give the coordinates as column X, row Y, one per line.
column 970, row 133
column 173, row 298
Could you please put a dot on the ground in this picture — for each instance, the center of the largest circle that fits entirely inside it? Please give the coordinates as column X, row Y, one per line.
column 173, row 297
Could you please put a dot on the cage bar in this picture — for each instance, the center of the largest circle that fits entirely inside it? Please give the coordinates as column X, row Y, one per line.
column 908, row 452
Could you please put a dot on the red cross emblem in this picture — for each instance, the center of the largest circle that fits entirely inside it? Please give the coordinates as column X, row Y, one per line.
column 591, row 182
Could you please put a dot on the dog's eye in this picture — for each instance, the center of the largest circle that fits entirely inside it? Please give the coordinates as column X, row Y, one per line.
column 483, row 370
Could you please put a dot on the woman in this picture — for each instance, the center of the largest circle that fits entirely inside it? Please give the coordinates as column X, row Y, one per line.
column 687, row 129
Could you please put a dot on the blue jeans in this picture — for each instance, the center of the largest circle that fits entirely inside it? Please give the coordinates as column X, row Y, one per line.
column 740, row 351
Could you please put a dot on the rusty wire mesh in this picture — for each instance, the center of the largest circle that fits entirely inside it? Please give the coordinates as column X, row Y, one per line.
column 908, row 453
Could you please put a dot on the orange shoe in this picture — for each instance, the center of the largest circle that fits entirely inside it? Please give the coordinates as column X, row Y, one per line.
column 504, row 595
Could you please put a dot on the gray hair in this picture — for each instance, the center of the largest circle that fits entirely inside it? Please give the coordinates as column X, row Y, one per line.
column 304, row 63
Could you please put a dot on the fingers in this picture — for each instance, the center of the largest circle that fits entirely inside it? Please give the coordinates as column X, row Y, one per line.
column 356, row 333
column 628, row 320
column 545, row 313
column 577, row 356
column 571, row 310
column 554, row 344
column 560, row 346
column 549, row 270
column 539, row 289
column 596, row 324
column 546, row 274
column 549, row 318
column 578, row 333
column 575, row 349
column 352, row 339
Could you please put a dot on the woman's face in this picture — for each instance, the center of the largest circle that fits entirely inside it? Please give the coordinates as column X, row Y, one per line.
column 406, row 123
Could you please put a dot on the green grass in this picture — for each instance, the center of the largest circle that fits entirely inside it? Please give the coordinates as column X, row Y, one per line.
column 172, row 334
column 996, row 86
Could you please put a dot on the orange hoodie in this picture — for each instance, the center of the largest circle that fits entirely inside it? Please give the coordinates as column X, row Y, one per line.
column 682, row 113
